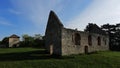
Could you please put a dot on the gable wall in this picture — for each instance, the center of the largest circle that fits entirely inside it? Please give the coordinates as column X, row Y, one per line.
column 53, row 34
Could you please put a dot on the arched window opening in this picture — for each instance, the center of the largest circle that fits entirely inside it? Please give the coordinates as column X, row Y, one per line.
column 77, row 39
column 99, row 41
column 90, row 40
column 104, row 40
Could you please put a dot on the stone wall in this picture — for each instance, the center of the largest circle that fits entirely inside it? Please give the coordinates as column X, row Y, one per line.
column 14, row 42
column 69, row 47
column 63, row 41
column 53, row 34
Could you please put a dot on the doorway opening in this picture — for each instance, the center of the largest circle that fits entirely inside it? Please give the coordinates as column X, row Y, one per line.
column 51, row 49
column 77, row 39
column 86, row 49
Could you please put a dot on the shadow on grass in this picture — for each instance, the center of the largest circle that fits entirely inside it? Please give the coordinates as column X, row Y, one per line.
column 32, row 55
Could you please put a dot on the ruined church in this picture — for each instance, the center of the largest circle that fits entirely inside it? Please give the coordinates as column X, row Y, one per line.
column 63, row 41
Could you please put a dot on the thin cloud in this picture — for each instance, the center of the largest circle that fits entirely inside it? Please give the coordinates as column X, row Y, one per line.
column 14, row 11
column 99, row 12
column 36, row 10
column 5, row 22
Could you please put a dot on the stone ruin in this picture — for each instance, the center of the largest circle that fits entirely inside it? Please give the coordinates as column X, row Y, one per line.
column 63, row 41
column 14, row 41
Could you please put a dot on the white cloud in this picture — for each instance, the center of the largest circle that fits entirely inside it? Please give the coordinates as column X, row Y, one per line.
column 14, row 11
column 3, row 21
column 99, row 12
column 36, row 11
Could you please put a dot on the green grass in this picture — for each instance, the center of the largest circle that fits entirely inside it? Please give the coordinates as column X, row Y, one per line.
column 36, row 58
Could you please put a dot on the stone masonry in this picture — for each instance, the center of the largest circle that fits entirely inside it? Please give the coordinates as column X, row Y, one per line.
column 14, row 41
column 63, row 41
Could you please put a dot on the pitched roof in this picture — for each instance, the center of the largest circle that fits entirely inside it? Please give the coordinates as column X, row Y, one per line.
column 14, row 36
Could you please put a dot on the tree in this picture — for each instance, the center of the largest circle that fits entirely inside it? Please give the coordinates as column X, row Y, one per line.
column 93, row 28
column 114, row 35
column 28, row 41
column 89, row 27
column 25, row 37
column 5, row 42
column 32, row 41
column 38, row 36
column 38, row 41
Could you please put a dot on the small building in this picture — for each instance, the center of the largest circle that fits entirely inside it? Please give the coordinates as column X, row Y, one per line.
column 63, row 41
column 14, row 41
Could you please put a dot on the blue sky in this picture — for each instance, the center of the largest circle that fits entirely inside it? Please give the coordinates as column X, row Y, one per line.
column 30, row 16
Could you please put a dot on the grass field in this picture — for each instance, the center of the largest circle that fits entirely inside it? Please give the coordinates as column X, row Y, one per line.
column 36, row 58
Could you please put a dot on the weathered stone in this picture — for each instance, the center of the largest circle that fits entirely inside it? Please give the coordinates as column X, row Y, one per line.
column 14, row 41
column 63, row 41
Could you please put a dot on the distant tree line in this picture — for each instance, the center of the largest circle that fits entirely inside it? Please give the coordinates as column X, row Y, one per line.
column 113, row 30
column 114, row 35
column 5, row 42
column 32, row 41
column 36, row 41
